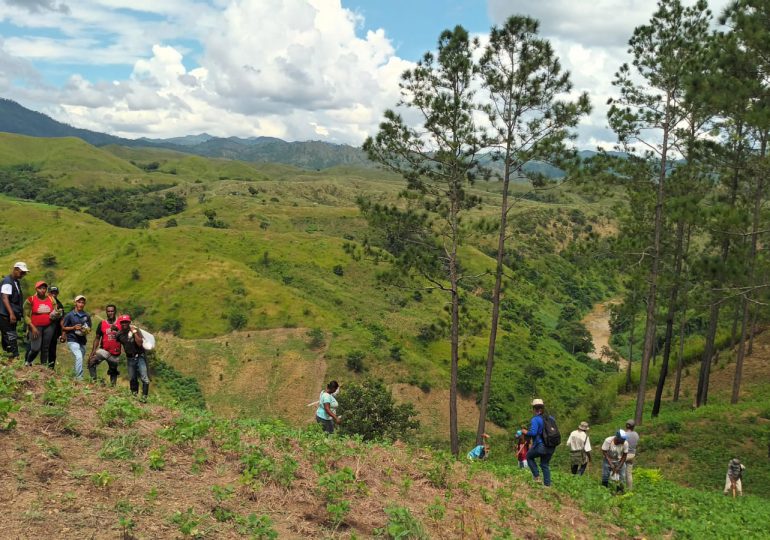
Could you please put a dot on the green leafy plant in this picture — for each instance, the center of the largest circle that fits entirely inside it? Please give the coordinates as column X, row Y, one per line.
column 333, row 487
column 122, row 447
column 402, row 525
column 120, row 411
column 156, row 458
column 103, row 479
column 188, row 522
column 257, row 527
column 188, row 427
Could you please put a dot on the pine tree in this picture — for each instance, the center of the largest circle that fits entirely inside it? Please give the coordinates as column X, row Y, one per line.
column 523, row 80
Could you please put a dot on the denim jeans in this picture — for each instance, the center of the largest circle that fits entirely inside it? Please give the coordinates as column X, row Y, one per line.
column 137, row 368
column 545, row 454
column 78, row 352
column 606, row 471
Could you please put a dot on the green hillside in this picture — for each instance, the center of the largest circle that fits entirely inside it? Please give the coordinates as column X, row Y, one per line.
column 285, row 253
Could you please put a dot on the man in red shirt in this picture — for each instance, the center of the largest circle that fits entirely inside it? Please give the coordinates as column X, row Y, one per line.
column 106, row 346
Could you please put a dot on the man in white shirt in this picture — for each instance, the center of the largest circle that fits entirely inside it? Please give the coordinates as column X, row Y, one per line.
column 579, row 449
column 615, row 450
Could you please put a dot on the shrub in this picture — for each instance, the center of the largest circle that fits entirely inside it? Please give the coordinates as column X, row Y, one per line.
column 237, row 320
column 49, row 260
column 316, row 336
column 171, row 223
column 395, row 353
column 338, row 270
column 370, row 411
column 355, row 361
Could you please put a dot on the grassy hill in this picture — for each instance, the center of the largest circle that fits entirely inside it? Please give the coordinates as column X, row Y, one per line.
column 289, row 259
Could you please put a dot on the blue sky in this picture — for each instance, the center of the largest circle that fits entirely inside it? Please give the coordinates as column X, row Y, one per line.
column 295, row 69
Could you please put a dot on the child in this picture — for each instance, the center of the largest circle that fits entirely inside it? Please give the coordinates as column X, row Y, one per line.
column 522, row 447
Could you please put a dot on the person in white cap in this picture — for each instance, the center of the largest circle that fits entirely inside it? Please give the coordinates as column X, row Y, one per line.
column 76, row 326
column 538, row 448
column 12, row 308
column 579, row 449
column 734, row 475
column 615, row 450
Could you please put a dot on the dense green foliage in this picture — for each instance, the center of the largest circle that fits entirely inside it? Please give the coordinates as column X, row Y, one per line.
column 368, row 410
column 131, row 207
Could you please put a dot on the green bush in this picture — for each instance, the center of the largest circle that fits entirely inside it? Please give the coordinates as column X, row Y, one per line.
column 368, row 410
column 355, row 361
column 120, row 411
column 402, row 525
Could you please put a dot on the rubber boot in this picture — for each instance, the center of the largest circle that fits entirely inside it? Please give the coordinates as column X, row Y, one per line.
column 113, row 380
column 134, row 387
column 145, row 391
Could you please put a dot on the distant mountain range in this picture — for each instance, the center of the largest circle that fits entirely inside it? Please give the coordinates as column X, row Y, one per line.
column 14, row 118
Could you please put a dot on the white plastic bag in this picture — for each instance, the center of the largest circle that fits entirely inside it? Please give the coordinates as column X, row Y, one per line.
column 615, row 477
column 148, row 342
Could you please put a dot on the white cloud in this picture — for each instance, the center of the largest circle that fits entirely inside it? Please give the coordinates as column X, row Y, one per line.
column 591, row 39
column 287, row 68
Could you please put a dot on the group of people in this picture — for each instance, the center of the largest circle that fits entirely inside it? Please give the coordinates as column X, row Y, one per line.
column 48, row 325
column 539, row 441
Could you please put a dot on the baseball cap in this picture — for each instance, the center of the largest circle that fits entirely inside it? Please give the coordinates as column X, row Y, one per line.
column 124, row 318
column 537, row 401
column 621, row 434
column 54, row 288
column 630, row 423
column 40, row 284
column 584, row 426
column 79, row 297
column 21, row 266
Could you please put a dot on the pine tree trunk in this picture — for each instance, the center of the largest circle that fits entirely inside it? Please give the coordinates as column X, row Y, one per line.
column 750, row 350
column 752, row 267
column 650, row 326
column 495, row 303
column 672, row 300
column 630, row 350
column 736, row 318
column 454, row 439
column 701, row 396
column 680, row 360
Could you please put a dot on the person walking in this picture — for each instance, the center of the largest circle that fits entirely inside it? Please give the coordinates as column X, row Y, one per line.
column 56, row 320
column 106, row 346
column 75, row 327
column 522, row 447
column 579, row 446
column 12, row 308
column 326, row 414
column 734, row 476
column 615, row 450
column 40, row 328
column 633, row 441
column 130, row 337
column 538, row 448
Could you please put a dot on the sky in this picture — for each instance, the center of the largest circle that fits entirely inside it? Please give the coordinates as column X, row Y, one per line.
column 294, row 69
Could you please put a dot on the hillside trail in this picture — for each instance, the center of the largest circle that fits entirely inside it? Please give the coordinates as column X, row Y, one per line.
column 597, row 322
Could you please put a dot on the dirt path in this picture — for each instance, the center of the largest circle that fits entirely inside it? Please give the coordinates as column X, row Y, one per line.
column 597, row 321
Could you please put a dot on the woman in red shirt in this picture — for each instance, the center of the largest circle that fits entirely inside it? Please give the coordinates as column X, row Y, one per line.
column 40, row 329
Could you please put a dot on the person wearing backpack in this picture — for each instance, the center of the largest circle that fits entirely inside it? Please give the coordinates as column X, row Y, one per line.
column 544, row 437
column 130, row 337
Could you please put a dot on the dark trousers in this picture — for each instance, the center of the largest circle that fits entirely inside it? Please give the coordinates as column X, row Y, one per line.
column 54, row 345
column 10, row 339
column 327, row 425
column 579, row 469
column 39, row 345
